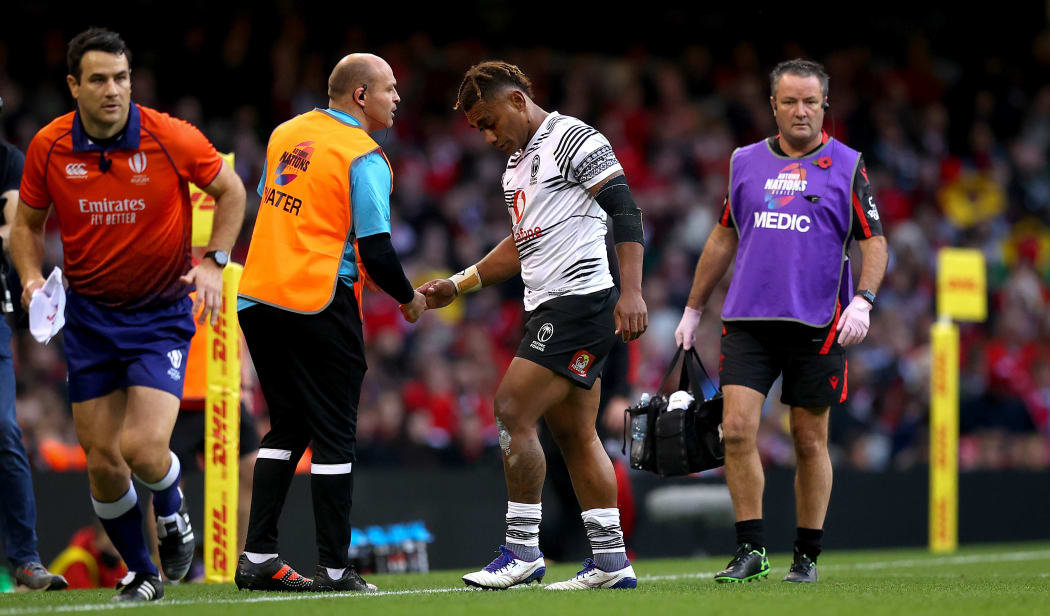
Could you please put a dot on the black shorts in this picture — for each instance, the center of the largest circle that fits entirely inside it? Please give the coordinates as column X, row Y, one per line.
column 187, row 439
column 755, row 353
column 572, row 335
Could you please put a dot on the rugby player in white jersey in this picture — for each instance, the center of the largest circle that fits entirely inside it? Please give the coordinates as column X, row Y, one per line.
column 563, row 187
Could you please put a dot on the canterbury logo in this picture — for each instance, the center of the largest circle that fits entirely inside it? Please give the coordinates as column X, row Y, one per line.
column 176, row 358
column 76, row 169
column 137, row 162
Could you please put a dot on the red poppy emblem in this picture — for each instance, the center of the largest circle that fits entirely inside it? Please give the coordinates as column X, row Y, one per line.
column 823, row 162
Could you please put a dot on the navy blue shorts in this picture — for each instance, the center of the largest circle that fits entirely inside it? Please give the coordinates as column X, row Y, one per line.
column 109, row 349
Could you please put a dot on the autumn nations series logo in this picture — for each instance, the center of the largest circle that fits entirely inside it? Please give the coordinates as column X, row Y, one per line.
column 293, row 163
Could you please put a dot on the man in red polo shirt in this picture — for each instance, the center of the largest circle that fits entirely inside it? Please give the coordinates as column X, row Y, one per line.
column 118, row 177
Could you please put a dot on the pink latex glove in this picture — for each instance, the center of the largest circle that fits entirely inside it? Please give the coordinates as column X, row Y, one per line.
column 854, row 321
column 686, row 331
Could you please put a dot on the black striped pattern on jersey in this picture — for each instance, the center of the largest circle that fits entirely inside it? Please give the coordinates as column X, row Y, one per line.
column 528, row 248
column 517, row 158
column 558, row 184
column 571, row 141
column 584, row 267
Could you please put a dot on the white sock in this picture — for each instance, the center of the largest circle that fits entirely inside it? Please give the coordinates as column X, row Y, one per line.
column 523, row 529
column 335, row 574
column 606, row 537
column 258, row 559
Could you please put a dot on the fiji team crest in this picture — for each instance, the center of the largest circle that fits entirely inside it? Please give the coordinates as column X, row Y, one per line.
column 293, row 163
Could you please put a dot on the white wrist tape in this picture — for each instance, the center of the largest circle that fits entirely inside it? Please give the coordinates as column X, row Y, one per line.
column 468, row 280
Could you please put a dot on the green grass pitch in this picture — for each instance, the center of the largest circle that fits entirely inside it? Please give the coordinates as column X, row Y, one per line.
column 990, row 579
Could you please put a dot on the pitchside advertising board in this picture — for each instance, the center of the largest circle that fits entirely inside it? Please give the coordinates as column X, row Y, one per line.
column 222, row 409
column 961, row 295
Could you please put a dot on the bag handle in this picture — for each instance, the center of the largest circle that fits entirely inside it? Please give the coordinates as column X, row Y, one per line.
column 689, row 379
column 693, row 377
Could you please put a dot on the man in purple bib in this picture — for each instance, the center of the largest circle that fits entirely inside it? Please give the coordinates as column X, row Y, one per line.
column 795, row 202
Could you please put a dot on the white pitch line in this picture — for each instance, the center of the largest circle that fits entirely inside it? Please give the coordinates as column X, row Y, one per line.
column 277, row 598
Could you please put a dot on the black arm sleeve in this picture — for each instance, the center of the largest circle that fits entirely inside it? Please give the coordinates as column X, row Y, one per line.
column 615, row 198
column 866, row 221
column 383, row 266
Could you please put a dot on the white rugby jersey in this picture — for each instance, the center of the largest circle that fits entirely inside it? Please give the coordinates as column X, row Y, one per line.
column 558, row 227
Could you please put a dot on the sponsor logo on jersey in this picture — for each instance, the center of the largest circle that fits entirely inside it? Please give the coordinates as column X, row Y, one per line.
column 76, row 170
column 873, row 213
column 523, row 235
column 294, row 163
column 518, row 205
column 782, row 221
column 581, row 363
column 788, row 184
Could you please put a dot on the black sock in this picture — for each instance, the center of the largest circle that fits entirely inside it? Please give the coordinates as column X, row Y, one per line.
column 808, row 542
column 274, row 470
column 332, row 498
column 750, row 531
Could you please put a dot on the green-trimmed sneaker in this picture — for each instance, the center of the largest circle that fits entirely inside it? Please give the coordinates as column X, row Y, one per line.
column 803, row 569
column 748, row 564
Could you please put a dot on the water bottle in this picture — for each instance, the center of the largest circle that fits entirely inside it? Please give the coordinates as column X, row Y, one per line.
column 420, row 537
column 380, row 547
column 639, row 427
column 397, row 559
column 359, row 552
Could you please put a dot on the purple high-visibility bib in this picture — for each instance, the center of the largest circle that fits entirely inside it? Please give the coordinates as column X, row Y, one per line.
column 793, row 217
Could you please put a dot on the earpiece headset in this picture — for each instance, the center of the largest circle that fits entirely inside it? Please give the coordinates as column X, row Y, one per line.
column 361, row 98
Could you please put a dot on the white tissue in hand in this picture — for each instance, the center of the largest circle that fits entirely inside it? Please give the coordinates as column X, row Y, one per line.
column 679, row 400
column 47, row 309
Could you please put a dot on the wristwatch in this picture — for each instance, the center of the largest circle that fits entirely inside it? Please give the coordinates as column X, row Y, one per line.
column 867, row 295
column 221, row 258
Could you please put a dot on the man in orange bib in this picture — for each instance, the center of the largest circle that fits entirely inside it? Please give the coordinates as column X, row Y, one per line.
column 323, row 221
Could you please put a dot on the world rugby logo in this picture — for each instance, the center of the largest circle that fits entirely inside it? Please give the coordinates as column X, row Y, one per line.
column 545, row 332
column 137, row 162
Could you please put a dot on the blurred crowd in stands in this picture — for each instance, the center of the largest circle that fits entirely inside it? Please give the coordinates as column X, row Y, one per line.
column 957, row 153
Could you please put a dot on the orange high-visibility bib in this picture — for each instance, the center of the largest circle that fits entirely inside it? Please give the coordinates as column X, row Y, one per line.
column 305, row 221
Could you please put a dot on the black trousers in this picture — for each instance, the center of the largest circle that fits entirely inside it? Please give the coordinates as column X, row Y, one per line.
column 310, row 370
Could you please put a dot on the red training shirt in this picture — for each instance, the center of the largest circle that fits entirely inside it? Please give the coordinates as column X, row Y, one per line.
column 124, row 210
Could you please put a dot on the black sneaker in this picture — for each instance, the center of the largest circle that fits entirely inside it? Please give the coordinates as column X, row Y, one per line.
column 748, row 564
column 350, row 580
column 803, row 569
column 175, row 544
column 274, row 574
column 36, row 577
column 139, row 587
